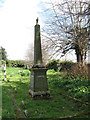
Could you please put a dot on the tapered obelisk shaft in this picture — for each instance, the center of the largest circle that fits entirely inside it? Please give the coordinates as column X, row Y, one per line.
column 37, row 45
column 38, row 81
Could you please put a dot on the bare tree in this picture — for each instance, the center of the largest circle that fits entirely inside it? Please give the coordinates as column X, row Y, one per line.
column 45, row 55
column 66, row 28
column 29, row 56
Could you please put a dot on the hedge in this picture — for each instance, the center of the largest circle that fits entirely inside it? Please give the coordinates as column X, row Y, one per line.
column 58, row 65
column 15, row 63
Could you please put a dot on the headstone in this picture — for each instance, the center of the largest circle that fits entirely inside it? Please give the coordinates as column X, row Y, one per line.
column 38, row 81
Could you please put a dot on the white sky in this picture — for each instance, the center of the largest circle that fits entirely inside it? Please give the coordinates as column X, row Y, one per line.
column 17, row 20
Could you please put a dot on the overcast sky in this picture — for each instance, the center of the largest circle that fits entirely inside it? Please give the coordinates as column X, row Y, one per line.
column 17, row 20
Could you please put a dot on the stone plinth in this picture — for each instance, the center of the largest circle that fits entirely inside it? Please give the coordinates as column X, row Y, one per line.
column 38, row 83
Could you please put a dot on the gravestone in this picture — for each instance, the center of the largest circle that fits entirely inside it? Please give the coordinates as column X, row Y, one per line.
column 38, row 81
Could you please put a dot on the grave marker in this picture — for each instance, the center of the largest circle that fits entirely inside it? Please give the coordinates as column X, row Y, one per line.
column 38, row 82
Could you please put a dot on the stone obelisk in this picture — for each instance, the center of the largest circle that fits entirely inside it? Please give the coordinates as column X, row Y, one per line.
column 37, row 46
column 38, row 81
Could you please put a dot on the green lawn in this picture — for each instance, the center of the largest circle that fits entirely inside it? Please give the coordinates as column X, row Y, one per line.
column 57, row 106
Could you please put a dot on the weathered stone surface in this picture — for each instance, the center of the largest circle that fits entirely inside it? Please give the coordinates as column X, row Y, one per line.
column 38, row 82
column 37, row 45
column 38, row 79
column 40, row 93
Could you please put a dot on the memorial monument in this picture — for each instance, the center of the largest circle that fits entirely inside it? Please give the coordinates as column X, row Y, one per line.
column 38, row 81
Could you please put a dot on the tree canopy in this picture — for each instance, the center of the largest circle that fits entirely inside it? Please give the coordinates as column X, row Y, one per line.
column 3, row 54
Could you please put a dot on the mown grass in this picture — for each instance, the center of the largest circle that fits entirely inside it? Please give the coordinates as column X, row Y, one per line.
column 54, row 107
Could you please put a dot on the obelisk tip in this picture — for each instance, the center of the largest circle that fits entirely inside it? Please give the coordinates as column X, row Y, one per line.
column 37, row 21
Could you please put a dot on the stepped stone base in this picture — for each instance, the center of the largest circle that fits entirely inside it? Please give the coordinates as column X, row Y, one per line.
column 39, row 93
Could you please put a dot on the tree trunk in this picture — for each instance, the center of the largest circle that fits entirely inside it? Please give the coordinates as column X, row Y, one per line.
column 78, row 57
column 81, row 58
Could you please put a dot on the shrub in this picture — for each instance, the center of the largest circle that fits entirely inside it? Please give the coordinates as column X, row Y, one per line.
column 65, row 65
column 78, row 70
column 15, row 63
column 2, row 62
column 58, row 65
column 53, row 64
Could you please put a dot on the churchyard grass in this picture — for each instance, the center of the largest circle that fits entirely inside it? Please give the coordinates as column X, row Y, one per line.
column 57, row 106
